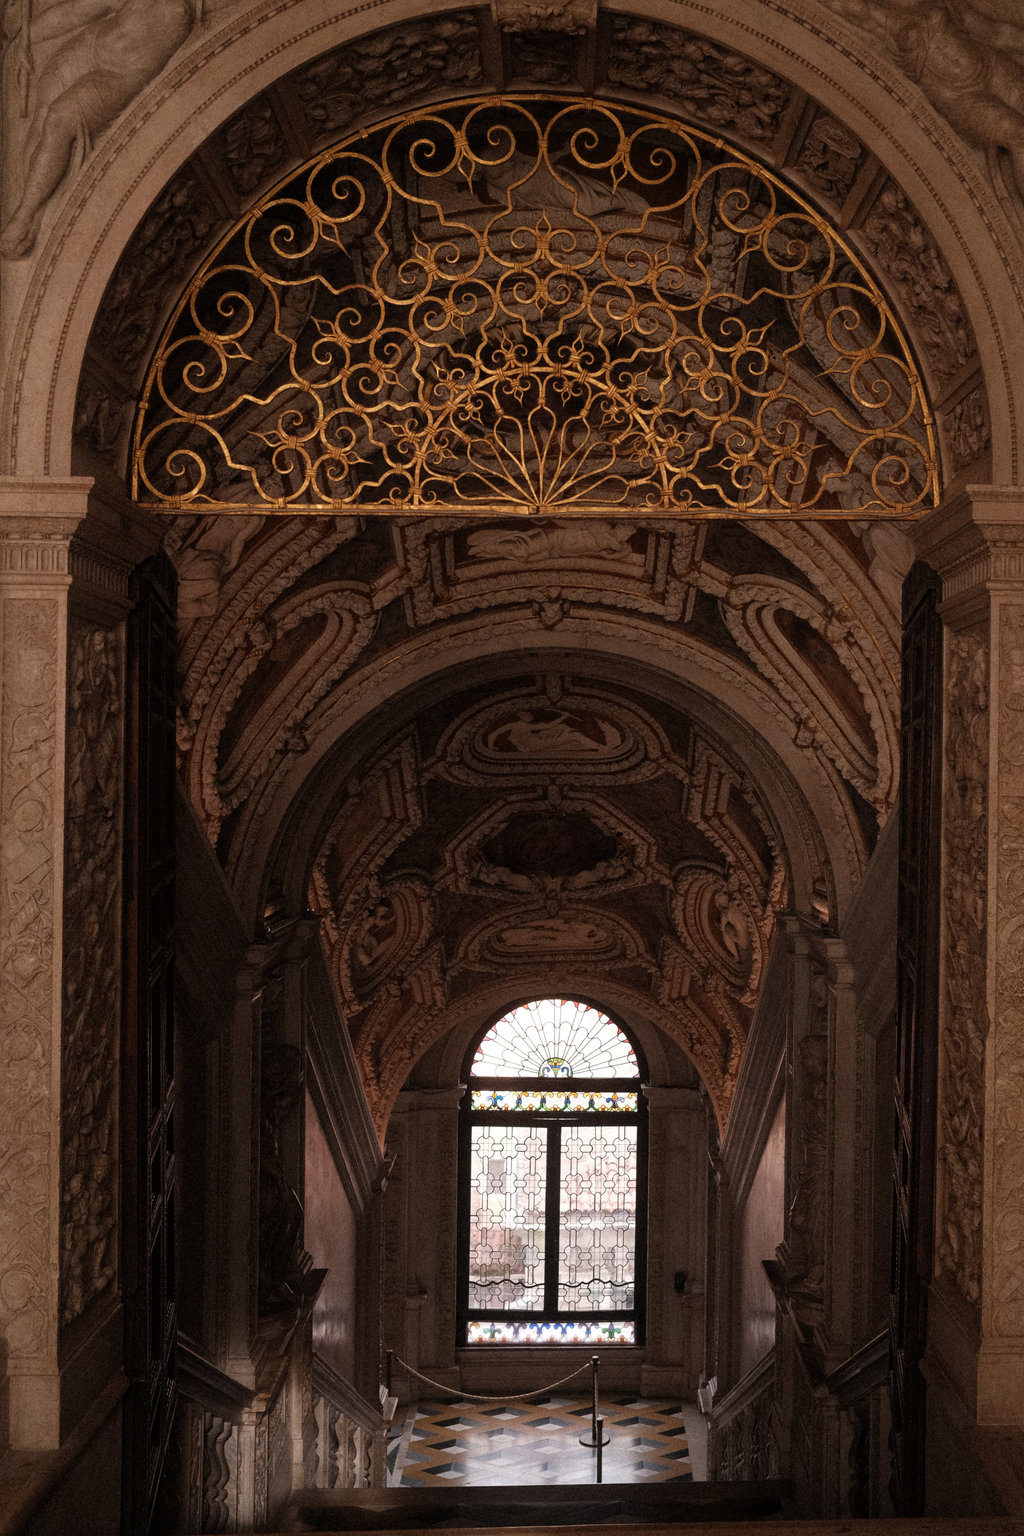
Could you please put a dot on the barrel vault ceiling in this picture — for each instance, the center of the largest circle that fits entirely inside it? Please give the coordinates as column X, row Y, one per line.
column 501, row 755
column 487, row 756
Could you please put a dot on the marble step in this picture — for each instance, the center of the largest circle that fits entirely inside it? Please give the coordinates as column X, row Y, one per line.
column 525, row 1508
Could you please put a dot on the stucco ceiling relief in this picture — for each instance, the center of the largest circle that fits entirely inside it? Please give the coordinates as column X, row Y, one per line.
column 841, row 696
column 570, row 737
column 278, row 642
column 639, row 564
column 610, row 844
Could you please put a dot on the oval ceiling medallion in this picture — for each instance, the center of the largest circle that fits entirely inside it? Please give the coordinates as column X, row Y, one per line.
column 529, row 304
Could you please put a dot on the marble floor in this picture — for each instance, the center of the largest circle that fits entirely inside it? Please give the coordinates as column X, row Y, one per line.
column 461, row 1443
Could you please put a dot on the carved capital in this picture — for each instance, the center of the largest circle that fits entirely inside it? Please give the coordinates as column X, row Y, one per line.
column 976, row 544
column 37, row 520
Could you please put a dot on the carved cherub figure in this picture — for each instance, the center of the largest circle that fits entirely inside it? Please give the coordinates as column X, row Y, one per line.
column 967, row 57
column 104, row 52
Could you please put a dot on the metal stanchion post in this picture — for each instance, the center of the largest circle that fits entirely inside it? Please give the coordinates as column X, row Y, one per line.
column 594, row 1438
column 601, row 1442
column 388, row 1378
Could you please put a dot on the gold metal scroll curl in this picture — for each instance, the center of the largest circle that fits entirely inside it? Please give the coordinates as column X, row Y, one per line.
column 534, row 304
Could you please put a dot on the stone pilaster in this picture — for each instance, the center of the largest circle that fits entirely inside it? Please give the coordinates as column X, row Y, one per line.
column 676, row 1241
column 37, row 521
column 423, row 1230
column 976, row 1306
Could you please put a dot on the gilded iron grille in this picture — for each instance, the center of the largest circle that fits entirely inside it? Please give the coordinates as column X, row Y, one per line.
column 529, row 304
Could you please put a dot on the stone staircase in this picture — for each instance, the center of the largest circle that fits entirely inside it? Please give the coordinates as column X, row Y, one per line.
column 573, row 1509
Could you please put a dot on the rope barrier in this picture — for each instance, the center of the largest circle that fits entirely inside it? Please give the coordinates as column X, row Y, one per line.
column 490, row 1397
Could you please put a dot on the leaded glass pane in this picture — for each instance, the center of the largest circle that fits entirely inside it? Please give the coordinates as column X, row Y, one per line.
column 555, row 1037
column 554, row 1100
column 507, row 1193
column 502, row 1332
column 597, row 1231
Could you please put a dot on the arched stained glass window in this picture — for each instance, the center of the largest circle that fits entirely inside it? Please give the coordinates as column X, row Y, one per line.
column 552, row 1181
column 555, row 1037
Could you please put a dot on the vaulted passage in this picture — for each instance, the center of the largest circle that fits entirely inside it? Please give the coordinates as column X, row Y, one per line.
column 511, row 624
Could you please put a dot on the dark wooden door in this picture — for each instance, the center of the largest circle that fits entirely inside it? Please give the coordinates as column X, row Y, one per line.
column 148, row 1042
column 916, row 1029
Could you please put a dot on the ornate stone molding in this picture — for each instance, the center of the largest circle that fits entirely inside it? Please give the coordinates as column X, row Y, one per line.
column 973, row 541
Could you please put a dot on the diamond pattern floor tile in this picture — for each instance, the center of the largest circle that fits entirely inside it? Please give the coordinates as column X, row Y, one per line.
column 514, row 1445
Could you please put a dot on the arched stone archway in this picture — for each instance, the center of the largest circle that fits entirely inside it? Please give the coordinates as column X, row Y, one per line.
column 781, row 646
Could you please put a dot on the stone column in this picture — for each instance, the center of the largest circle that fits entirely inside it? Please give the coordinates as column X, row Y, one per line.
column 676, row 1241
column 37, row 521
column 975, row 1349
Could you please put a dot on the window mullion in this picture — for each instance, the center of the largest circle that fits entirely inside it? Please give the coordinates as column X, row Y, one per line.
column 553, row 1217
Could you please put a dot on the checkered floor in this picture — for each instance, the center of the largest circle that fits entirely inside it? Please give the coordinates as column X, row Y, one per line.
column 466, row 1444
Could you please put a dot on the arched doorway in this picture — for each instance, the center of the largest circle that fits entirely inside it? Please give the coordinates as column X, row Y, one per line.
column 777, row 646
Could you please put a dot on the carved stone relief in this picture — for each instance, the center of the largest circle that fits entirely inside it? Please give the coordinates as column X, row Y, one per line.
column 176, row 228
column 577, row 881
column 255, row 658
column 92, row 899
column 965, row 1023
column 29, row 773
column 705, row 80
column 574, row 933
column 555, row 737
column 805, row 1259
column 385, row 939
column 831, row 157
column 966, row 59
column 552, row 567
column 74, row 69
column 722, row 929
column 914, row 266
column 387, row 68
column 967, row 428
column 253, row 145
column 824, row 665
column 571, row 16
column 1006, row 1244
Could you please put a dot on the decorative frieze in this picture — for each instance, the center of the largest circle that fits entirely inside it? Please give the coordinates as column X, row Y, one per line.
column 91, row 977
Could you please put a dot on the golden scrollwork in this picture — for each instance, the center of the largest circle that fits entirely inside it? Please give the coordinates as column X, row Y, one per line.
column 532, row 304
